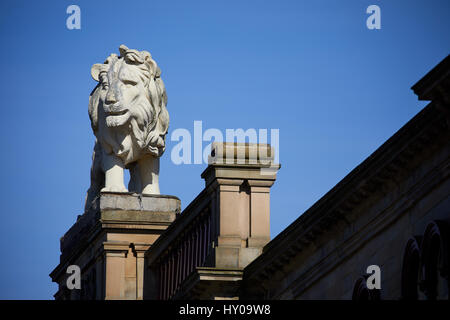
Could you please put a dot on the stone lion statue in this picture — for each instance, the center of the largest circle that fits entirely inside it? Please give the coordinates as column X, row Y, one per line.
column 129, row 118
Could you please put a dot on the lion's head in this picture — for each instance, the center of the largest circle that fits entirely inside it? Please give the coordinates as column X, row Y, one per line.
column 128, row 106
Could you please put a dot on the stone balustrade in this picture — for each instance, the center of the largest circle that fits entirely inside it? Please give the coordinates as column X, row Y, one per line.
column 221, row 231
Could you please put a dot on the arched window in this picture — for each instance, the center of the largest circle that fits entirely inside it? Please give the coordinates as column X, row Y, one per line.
column 362, row 293
column 434, row 266
column 410, row 269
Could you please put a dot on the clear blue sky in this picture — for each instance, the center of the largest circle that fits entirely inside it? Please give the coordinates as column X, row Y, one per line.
column 334, row 89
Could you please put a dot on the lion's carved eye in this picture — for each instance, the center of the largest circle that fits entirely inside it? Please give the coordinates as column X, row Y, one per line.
column 129, row 82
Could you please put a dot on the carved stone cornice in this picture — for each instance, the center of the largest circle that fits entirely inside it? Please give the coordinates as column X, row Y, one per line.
column 116, row 248
column 210, row 283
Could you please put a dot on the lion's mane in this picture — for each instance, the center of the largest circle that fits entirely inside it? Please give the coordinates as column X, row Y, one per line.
column 145, row 131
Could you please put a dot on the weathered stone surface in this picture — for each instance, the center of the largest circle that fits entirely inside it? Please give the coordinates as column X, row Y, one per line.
column 130, row 120
column 108, row 242
column 122, row 208
column 134, row 202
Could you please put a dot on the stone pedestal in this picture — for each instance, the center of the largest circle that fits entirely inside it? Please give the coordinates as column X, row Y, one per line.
column 108, row 243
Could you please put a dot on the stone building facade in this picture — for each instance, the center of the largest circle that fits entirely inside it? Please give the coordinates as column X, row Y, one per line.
column 391, row 211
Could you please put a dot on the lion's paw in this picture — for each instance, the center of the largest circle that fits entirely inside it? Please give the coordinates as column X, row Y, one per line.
column 114, row 189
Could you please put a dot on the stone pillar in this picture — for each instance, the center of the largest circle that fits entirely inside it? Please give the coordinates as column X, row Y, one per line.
column 240, row 176
column 259, row 212
column 139, row 250
column 115, row 253
column 108, row 243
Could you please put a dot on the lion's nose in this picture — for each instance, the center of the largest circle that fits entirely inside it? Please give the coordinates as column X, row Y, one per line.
column 110, row 97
